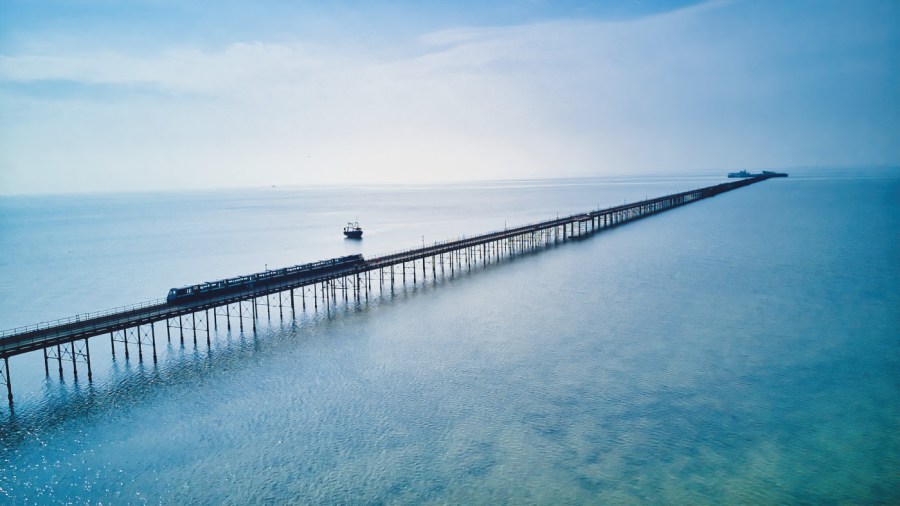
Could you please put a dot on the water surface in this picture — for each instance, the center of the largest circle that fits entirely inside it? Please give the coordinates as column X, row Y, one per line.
column 743, row 349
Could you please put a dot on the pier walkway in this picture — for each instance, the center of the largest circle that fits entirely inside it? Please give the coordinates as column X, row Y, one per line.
column 67, row 340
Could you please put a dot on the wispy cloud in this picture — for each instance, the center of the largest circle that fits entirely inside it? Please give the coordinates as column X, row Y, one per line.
column 716, row 85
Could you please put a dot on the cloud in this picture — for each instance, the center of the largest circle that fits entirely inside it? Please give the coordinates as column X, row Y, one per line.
column 710, row 87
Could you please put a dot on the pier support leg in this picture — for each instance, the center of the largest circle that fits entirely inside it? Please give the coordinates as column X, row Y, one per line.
column 293, row 309
column 125, row 341
column 46, row 363
column 8, row 382
column 112, row 344
column 74, row 360
column 87, row 357
column 153, row 336
column 140, row 343
column 59, row 359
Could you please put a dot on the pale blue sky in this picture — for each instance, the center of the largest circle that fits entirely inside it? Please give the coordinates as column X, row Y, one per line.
column 109, row 95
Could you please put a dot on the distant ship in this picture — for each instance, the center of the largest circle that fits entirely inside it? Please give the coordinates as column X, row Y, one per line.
column 353, row 230
column 769, row 173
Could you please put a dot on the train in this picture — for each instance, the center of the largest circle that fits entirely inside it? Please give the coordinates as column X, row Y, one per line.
column 226, row 286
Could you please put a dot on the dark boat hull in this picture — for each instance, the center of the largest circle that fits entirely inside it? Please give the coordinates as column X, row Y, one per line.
column 353, row 234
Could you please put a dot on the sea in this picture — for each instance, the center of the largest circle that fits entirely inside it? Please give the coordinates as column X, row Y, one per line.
column 743, row 349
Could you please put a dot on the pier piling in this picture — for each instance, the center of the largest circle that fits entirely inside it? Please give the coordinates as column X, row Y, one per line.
column 455, row 256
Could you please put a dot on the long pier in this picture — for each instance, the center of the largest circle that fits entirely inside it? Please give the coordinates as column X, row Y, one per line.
column 67, row 340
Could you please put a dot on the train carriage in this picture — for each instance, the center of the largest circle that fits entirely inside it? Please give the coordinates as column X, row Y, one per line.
column 225, row 286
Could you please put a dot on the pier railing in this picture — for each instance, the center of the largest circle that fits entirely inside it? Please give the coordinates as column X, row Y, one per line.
column 60, row 322
column 136, row 323
column 437, row 247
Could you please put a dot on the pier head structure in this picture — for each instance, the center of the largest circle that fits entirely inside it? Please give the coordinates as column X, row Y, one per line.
column 198, row 311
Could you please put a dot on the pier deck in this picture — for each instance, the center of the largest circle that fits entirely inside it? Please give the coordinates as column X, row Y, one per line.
column 68, row 339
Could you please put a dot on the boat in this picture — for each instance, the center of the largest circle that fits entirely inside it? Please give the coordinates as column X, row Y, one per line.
column 742, row 173
column 353, row 230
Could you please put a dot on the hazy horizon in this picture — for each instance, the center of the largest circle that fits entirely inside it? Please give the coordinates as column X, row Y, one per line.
column 824, row 171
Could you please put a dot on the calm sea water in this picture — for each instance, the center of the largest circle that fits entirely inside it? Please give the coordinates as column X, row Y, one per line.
column 742, row 350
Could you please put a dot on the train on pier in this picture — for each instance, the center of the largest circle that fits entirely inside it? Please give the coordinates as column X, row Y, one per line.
column 261, row 279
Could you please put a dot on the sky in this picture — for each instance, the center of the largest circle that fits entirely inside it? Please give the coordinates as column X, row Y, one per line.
column 114, row 95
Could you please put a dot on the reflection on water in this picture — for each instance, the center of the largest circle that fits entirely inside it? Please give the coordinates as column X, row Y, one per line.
column 738, row 350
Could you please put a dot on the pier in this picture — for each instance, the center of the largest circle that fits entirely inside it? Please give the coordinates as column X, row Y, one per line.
column 136, row 329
